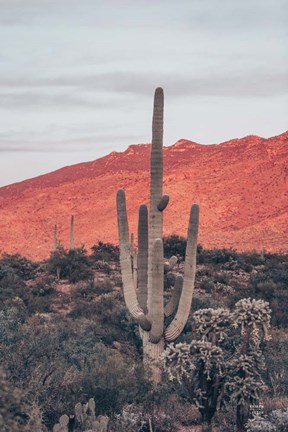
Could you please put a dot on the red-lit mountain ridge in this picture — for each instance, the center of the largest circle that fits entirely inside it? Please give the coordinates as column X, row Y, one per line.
column 241, row 186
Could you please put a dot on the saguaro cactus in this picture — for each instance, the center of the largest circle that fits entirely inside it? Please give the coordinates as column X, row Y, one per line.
column 146, row 302
column 72, row 243
column 55, row 238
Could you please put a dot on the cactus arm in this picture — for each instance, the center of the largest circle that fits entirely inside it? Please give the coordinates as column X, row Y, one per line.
column 172, row 305
column 178, row 323
column 173, row 261
column 163, row 203
column 142, row 261
column 125, row 261
column 132, row 244
column 157, row 312
column 166, row 266
column 156, row 178
column 170, row 264
column 135, row 269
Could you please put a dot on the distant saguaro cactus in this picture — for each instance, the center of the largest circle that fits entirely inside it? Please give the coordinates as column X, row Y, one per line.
column 55, row 243
column 72, row 243
column 146, row 302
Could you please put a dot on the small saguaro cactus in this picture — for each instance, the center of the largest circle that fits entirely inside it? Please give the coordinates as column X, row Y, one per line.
column 146, row 302
column 72, row 243
column 55, row 238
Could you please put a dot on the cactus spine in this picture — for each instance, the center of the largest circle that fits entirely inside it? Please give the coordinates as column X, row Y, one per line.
column 146, row 303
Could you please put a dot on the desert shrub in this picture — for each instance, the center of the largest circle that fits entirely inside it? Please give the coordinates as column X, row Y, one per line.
column 117, row 280
column 174, row 245
column 131, row 419
column 252, row 259
column 276, row 354
column 276, row 421
column 24, row 268
column 10, row 323
column 102, row 266
column 207, row 285
column 91, row 289
column 204, row 302
column 222, row 278
column 12, row 408
column 61, row 362
column 272, row 287
column 40, row 304
column 11, row 285
column 73, row 264
column 105, row 252
column 42, row 290
column 82, row 309
column 104, row 287
column 219, row 256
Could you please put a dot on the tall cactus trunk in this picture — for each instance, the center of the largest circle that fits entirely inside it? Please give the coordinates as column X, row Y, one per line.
column 152, row 354
column 156, row 180
column 146, row 300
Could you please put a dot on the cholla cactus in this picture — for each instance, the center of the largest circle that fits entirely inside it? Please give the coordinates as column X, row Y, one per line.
column 199, row 366
column 233, row 373
column 244, row 383
column 211, row 324
column 181, row 360
column 178, row 361
column 146, row 302
column 254, row 318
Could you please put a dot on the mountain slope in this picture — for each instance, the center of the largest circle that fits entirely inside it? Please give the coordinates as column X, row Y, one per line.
column 241, row 186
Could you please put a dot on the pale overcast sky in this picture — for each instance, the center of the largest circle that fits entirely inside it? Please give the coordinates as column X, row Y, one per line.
column 77, row 77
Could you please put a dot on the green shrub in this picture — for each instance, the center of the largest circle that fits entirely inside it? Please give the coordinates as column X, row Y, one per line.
column 276, row 354
column 222, row 278
column 174, row 245
column 220, row 256
column 24, row 268
column 102, row 266
column 276, row 421
column 204, row 302
column 12, row 407
column 12, row 285
column 207, row 285
column 73, row 264
column 105, row 252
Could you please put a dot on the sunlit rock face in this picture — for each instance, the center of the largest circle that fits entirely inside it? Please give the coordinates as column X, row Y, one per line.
column 241, row 186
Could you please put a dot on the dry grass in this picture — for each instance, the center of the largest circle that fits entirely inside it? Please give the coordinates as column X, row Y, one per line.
column 270, row 404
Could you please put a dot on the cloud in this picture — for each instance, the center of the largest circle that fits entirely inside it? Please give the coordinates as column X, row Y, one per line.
column 101, row 141
column 22, row 99
column 90, row 90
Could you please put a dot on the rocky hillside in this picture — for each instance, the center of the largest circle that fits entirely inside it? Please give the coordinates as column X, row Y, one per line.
column 241, row 186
